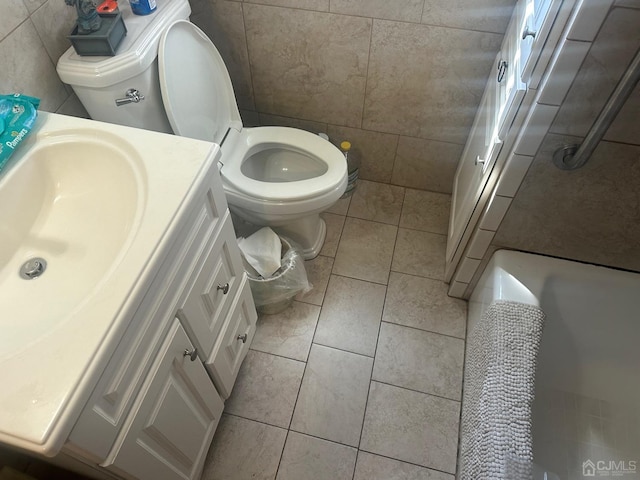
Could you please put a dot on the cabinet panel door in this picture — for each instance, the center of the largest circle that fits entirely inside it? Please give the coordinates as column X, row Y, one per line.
column 476, row 163
column 212, row 293
column 118, row 387
column 538, row 17
column 234, row 341
column 171, row 426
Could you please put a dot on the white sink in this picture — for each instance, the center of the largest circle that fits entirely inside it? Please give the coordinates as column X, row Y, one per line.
column 100, row 203
column 75, row 199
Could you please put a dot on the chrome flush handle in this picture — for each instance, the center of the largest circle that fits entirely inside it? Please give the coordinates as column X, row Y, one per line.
column 132, row 96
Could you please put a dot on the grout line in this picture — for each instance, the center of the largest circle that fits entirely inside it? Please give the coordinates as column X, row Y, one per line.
column 343, row 350
column 286, row 439
column 407, row 462
column 278, row 355
column 325, row 439
column 366, row 77
column 418, row 391
column 375, row 351
column 249, row 63
column 253, row 420
column 360, row 279
column 423, row 330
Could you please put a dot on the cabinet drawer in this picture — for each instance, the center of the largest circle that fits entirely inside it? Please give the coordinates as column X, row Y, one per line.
column 217, row 283
column 233, row 342
column 170, row 428
column 96, row 429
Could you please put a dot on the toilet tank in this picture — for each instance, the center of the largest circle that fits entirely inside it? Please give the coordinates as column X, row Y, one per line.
column 100, row 81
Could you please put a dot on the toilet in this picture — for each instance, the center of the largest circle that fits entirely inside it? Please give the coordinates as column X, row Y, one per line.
column 272, row 176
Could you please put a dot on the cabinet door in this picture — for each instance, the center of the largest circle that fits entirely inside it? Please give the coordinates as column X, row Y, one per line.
column 537, row 19
column 170, row 428
column 234, row 341
column 511, row 88
column 212, row 293
column 478, row 157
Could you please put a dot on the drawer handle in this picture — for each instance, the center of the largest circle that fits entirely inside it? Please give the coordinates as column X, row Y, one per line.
column 479, row 161
column 243, row 338
column 192, row 354
column 528, row 33
column 502, row 70
column 224, row 288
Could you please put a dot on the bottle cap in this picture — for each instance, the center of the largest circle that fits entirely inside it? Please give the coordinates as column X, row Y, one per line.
column 346, row 146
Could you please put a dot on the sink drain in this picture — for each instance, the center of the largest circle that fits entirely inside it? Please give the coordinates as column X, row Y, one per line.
column 33, row 268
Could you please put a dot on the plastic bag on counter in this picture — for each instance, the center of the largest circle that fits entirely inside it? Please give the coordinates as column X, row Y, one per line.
column 276, row 292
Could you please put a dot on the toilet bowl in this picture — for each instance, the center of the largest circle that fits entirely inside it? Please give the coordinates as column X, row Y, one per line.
column 272, row 176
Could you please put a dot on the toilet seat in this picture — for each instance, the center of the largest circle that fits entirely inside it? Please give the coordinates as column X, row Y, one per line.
column 250, row 141
column 200, row 103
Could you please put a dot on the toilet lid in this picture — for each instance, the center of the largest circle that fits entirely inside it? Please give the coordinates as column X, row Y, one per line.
column 196, row 89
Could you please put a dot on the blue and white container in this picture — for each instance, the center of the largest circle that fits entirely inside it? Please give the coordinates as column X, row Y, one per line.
column 143, row 7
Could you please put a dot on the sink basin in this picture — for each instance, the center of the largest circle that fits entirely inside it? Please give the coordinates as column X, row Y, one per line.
column 102, row 204
column 75, row 199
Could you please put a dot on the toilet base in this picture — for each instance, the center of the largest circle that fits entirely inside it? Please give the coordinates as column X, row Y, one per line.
column 308, row 232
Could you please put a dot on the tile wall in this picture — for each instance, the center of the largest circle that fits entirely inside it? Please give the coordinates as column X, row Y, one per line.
column 401, row 80
column 32, row 38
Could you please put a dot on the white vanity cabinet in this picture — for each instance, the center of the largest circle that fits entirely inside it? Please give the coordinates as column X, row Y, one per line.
column 155, row 408
column 172, row 424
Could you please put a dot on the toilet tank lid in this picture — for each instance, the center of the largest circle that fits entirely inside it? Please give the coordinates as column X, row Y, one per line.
column 136, row 53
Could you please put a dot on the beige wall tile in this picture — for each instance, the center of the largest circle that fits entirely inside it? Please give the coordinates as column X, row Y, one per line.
column 13, row 14
column 426, row 81
column 308, row 65
column 73, row 107
column 374, row 150
column 613, row 49
column 54, row 21
column 591, row 214
column 426, row 164
column 26, row 68
column 403, row 10
column 223, row 22
column 481, row 15
column 320, row 5
column 308, row 125
column 624, row 128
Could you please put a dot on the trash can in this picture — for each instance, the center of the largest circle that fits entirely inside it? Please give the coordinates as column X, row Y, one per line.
column 275, row 293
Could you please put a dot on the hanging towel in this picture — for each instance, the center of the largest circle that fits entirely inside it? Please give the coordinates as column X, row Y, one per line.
column 495, row 432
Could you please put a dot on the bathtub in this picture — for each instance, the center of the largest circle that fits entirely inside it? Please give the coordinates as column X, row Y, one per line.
column 587, row 399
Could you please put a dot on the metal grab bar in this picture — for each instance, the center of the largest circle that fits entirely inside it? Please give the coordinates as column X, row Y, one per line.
column 571, row 157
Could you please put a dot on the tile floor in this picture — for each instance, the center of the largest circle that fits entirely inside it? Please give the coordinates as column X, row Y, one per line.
column 361, row 378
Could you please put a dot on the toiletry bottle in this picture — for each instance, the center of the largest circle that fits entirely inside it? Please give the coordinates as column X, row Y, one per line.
column 143, row 7
column 352, row 167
